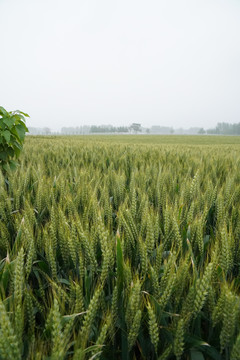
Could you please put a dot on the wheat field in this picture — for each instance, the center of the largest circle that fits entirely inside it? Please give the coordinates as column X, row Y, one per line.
column 121, row 247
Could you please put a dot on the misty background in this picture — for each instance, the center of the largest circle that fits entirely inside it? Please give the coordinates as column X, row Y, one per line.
column 76, row 63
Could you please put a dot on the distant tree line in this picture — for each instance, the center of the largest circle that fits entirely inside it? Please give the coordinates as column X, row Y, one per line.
column 78, row 130
column 135, row 128
column 39, row 131
column 225, row 129
column 108, row 129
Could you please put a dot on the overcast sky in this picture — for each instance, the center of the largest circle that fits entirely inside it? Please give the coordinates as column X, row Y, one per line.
column 80, row 62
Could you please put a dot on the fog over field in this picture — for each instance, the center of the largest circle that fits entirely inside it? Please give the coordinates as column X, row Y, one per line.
column 170, row 63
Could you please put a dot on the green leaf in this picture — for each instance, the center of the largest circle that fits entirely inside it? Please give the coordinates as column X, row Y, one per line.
column 195, row 341
column 6, row 134
column 24, row 125
column 3, row 112
column 10, row 151
column 2, row 125
column 21, row 131
column 202, row 346
column 15, row 134
column 211, row 352
column 66, row 318
column 196, row 355
column 19, row 118
column 96, row 356
column 21, row 112
column 13, row 165
column 3, row 155
column 42, row 265
column 5, row 167
column 17, row 151
column 64, row 281
column 9, row 122
column 19, row 146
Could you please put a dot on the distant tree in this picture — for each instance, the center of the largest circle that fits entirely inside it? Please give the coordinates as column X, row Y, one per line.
column 164, row 130
column 122, row 129
column 135, row 127
column 201, row 131
column 211, row 131
column 46, row 131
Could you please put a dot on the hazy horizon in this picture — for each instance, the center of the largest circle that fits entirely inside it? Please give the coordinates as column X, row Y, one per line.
column 167, row 63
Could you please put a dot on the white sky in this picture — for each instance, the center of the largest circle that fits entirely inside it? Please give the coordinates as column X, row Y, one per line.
column 157, row 62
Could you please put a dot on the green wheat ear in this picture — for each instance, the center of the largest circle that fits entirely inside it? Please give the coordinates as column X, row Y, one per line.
column 90, row 315
column 134, row 329
column 102, row 336
column 202, row 287
column 30, row 313
column 153, row 327
column 230, row 312
column 166, row 354
column 9, row 345
column 235, row 353
column 179, row 340
column 19, row 278
column 56, row 332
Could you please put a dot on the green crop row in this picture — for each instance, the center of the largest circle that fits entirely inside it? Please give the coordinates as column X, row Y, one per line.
column 121, row 250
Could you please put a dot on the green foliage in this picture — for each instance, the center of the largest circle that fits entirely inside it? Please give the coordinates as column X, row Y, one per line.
column 121, row 250
column 12, row 134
